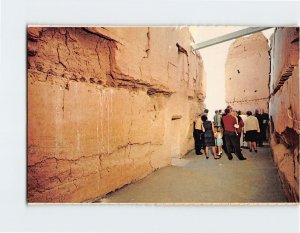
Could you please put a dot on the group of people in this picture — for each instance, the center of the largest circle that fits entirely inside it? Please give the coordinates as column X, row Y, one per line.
column 228, row 131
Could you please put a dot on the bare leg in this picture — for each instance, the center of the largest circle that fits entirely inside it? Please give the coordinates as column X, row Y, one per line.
column 250, row 146
column 213, row 148
column 220, row 149
column 254, row 146
column 206, row 152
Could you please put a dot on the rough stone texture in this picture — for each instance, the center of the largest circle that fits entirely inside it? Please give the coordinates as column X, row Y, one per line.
column 284, row 107
column 247, row 73
column 100, row 107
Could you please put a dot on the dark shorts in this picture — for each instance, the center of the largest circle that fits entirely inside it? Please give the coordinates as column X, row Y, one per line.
column 251, row 136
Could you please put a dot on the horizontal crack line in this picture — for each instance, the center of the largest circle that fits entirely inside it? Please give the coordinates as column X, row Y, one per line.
column 240, row 101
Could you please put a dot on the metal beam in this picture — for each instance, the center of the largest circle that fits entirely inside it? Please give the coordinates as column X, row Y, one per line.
column 230, row 36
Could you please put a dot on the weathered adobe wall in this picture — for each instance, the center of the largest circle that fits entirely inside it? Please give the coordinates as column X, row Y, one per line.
column 100, row 107
column 247, row 73
column 284, row 107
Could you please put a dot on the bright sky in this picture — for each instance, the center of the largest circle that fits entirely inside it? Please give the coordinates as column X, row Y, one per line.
column 214, row 59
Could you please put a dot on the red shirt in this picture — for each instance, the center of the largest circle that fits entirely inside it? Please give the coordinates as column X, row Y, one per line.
column 228, row 122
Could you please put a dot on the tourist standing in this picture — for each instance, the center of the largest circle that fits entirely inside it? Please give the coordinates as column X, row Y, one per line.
column 217, row 118
column 209, row 138
column 242, row 139
column 222, row 124
column 204, row 113
column 265, row 124
column 231, row 136
column 219, row 140
column 197, row 134
column 260, row 122
column 240, row 125
column 252, row 129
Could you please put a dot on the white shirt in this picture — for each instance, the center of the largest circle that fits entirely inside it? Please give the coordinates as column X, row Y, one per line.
column 251, row 123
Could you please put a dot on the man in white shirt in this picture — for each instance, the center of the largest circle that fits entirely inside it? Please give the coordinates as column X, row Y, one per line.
column 197, row 133
column 244, row 117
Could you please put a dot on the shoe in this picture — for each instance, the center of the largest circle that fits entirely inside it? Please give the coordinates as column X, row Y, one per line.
column 243, row 158
column 217, row 157
column 250, row 150
column 207, row 157
column 230, row 158
column 255, row 151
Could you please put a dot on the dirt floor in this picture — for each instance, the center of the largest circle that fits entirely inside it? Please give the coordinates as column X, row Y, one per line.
column 195, row 179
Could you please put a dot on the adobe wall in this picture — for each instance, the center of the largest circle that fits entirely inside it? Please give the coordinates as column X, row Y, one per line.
column 107, row 106
column 284, row 107
column 247, row 73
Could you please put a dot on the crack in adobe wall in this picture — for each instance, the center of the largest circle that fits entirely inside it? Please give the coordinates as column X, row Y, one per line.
column 100, row 35
column 59, row 60
column 128, row 82
column 249, row 100
column 96, row 50
column 184, row 51
column 131, row 120
column 284, row 77
column 45, row 158
column 66, row 41
column 147, row 50
column 181, row 49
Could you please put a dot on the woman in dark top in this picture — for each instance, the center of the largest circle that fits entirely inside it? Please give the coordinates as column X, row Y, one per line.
column 209, row 138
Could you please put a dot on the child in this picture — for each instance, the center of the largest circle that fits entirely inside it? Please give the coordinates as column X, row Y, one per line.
column 219, row 140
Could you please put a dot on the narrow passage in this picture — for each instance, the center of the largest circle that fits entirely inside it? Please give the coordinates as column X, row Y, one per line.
column 194, row 179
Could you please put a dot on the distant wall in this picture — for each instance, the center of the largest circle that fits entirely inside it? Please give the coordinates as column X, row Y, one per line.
column 247, row 73
column 107, row 106
column 284, row 107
